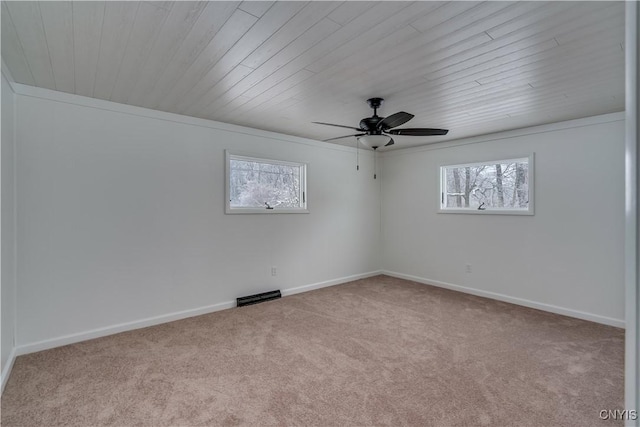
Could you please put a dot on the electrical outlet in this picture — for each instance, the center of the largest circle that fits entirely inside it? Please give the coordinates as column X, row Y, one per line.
column 467, row 268
column 274, row 271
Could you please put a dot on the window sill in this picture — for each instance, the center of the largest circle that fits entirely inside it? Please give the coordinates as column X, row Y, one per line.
column 233, row 211
column 486, row 211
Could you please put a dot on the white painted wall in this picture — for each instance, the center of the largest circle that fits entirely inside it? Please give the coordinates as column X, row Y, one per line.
column 568, row 257
column 122, row 218
column 8, row 279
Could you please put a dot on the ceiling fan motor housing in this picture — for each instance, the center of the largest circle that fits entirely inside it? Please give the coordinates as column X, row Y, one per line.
column 370, row 124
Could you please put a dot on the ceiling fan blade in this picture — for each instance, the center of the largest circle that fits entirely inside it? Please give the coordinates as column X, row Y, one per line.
column 340, row 126
column 340, row 137
column 394, row 120
column 418, row 132
column 391, row 142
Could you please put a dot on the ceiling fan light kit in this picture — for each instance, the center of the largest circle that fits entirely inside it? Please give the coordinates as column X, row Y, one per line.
column 375, row 141
column 374, row 131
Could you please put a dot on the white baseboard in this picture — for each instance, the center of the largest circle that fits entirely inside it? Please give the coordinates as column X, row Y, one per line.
column 305, row 288
column 6, row 371
column 619, row 323
column 121, row 327
column 170, row 317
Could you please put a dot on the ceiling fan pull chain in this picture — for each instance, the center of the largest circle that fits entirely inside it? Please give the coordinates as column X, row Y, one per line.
column 357, row 155
column 375, row 163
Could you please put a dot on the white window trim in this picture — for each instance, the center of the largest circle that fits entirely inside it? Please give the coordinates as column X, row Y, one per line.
column 254, row 158
column 489, row 211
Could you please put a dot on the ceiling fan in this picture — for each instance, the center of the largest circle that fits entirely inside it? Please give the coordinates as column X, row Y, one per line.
column 375, row 130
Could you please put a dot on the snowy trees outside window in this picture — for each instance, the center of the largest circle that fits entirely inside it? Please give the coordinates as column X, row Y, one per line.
column 262, row 185
column 498, row 186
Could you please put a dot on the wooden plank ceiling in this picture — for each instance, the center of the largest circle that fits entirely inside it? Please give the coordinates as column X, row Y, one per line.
column 471, row 67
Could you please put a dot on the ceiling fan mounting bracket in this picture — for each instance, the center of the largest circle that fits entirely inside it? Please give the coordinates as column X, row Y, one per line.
column 375, row 103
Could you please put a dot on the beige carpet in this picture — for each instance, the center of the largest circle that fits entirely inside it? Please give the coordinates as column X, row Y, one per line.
column 379, row 351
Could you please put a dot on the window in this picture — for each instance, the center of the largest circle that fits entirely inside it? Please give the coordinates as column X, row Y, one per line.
column 256, row 185
column 497, row 186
